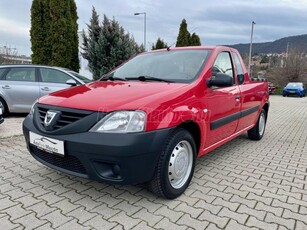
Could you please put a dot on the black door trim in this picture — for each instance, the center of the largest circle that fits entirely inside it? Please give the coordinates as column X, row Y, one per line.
column 230, row 118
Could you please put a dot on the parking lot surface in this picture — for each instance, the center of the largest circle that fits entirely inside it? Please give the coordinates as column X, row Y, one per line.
column 11, row 126
column 241, row 185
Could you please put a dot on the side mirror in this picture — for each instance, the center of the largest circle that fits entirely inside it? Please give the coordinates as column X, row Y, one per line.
column 240, row 79
column 71, row 82
column 220, row 80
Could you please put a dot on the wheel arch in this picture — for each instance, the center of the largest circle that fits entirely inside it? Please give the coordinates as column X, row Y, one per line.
column 266, row 109
column 194, row 129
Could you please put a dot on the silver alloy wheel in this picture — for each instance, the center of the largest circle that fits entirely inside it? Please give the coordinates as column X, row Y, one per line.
column 261, row 124
column 180, row 164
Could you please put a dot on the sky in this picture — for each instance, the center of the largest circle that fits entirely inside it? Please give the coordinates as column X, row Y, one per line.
column 220, row 22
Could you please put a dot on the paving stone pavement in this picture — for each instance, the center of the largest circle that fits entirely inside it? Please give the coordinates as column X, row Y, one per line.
column 12, row 126
column 241, row 185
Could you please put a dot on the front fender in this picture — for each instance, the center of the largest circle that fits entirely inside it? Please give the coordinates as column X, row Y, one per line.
column 174, row 117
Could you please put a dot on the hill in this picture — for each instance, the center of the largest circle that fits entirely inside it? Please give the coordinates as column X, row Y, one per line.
column 278, row 46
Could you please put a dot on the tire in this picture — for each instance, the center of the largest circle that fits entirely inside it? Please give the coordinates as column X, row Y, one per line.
column 257, row 132
column 178, row 153
column 4, row 107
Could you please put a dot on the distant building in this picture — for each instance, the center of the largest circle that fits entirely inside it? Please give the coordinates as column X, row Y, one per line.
column 9, row 55
column 22, row 59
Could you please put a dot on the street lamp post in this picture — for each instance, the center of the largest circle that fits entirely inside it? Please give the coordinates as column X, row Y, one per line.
column 144, row 27
column 250, row 50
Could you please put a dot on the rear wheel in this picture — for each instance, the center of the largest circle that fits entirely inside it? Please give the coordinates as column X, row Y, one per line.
column 175, row 166
column 257, row 132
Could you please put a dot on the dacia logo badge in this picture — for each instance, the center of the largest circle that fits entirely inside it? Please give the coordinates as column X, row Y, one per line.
column 50, row 115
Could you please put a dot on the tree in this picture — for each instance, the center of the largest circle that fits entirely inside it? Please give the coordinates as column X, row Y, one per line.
column 7, row 55
column 160, row 44
column 195, row 40
column 107, row 45
column 185, row 38
column 294, row 66
column 75, row 62
column 291, row 68
column 264, row 59
column 54, row 33
column 89, row 44
column 93, row 31
column 40, row 25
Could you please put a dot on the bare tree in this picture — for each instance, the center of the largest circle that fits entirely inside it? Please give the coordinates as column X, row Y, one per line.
column 8, row 55
column 294, row 69
column 295, row 65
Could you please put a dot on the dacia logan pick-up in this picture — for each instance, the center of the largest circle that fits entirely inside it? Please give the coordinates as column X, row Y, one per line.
column 147, row 120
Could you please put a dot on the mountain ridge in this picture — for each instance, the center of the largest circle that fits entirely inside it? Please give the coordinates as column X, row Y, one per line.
column 278, row 46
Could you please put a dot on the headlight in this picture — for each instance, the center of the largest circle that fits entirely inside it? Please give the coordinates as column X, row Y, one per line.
column 31, row 113
column 121, row 122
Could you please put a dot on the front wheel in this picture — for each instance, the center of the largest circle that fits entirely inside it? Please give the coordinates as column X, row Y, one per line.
column 257, row 132
column 175, row 166
column 4, row 107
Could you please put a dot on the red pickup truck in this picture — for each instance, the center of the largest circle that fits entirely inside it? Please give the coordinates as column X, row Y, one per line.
column 148, row 120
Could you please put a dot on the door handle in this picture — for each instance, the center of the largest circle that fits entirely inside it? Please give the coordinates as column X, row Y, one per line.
column 6, row 87
column 45, row 89
column 237, row 97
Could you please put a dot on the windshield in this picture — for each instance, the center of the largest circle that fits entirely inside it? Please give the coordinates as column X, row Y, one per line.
column 174, row 66
column 295, row 85
column 80, row 77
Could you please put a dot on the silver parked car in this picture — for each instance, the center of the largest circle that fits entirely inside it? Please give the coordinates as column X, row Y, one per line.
column 21, row 85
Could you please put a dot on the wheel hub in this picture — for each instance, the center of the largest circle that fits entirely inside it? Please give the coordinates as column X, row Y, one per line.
column 261, row 124
column 180, row 164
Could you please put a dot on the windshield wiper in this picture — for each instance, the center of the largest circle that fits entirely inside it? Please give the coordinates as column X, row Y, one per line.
column 111, row 78
column 148, row 78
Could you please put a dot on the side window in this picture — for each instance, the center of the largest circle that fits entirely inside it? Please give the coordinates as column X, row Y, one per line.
column 20, row 74
column 223, row 64
column 2, row 72
column 53, row 76
column 239, row 68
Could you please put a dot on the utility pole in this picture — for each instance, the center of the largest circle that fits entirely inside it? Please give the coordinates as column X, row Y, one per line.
column 144, row 13
column 250, row 50
column 287, row 53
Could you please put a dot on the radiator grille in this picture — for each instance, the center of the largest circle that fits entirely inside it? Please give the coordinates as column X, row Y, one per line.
column 70, row 163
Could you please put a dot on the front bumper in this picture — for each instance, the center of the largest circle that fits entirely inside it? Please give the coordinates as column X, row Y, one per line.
column 293, row 92
column 115, row 158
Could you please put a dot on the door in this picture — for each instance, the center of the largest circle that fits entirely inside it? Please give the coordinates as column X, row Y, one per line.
column 223, row 103
column 20, row 88
column 249, row 100
column 52, row 80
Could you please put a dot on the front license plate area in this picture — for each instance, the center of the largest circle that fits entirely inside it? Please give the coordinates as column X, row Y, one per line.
column 47, row 144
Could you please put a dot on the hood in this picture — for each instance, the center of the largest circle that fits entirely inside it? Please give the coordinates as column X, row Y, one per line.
column 109, row 96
